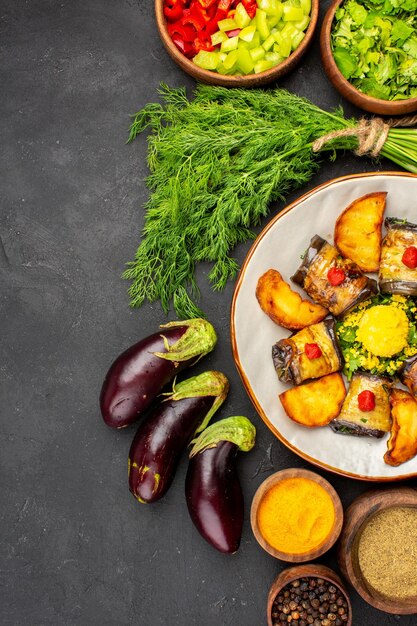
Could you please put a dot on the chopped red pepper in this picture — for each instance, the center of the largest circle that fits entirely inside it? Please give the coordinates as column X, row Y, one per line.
column 186, row 32
column 188, row 49
column 233, row 33
column 224, row 5
column 211, row 26
column 173, row 13
column 409, row 257
column 211, row 12
column 366, row 400
column 250, row 6
column 191, row 23
column 203, row 44
column 206, row 4
column 194, row 18
column 218, row 15
column 312, row 350
column 174, row 3
column 336, row 276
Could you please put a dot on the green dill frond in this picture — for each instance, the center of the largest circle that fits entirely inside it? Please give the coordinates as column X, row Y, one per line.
column 216, row 163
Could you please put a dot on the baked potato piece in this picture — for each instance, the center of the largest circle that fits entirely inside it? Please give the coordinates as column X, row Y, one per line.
column 354, row 421
column 402, row 444
column 315, row 403
column 320, row 261
column 285, row 306
column 310, row 353
column 395, row 276
column 358, row 230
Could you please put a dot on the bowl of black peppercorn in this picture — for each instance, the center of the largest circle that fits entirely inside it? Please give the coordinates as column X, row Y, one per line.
column 308, row 595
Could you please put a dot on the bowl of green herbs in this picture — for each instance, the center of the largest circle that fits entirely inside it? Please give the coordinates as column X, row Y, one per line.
column 369, row 52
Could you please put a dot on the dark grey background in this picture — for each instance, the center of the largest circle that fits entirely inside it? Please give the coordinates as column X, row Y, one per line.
column 76, row 548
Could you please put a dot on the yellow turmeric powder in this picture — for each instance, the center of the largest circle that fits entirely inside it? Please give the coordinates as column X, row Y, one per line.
column 296, row 515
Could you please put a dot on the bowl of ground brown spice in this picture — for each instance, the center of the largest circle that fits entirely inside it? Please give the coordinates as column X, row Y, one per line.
column 378, row 549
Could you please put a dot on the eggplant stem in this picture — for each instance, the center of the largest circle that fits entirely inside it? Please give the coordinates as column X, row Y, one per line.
column 211, row 383
column 199, row 339
column 236, row 429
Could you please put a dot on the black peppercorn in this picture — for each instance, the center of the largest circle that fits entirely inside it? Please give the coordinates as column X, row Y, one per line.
column 309, row 602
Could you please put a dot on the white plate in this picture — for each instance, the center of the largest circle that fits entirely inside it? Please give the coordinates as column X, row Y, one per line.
column 279, row 246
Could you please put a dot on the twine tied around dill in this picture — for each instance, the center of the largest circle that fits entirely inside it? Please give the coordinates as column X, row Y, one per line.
column 371, row 134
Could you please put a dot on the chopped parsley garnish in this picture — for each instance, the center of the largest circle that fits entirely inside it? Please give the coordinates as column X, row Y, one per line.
column 374, row 45
column 355, row 354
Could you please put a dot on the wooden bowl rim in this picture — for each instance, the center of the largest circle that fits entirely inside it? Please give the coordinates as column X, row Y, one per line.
column 305, row 570
column 369, row 103
column 249, row 80
column 333, row 535
column 357, row 515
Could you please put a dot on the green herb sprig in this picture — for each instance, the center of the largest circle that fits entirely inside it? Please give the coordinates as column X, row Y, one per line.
column 374, row 44
column 216, row 163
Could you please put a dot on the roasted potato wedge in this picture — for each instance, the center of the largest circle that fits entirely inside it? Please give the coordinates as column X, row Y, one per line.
column 402, row 444
column 315, row 403
column 285, row 306
column 358, row 231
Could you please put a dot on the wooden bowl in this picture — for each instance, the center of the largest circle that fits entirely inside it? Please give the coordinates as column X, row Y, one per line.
column 309, row 570
column 357, row 516
column 348, row 91
column 289, row 556
column 250, row 80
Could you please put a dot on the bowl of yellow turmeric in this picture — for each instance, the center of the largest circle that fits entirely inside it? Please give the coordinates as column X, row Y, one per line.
column 296, row 515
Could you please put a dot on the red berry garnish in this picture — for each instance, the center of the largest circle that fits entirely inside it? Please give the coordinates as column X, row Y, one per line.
column 312, row 350
column 336, row 276
column 366, row 400
column 409, row 257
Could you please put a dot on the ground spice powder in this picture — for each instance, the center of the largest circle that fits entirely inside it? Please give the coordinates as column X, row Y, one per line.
column 387, row 553
column 296, row 515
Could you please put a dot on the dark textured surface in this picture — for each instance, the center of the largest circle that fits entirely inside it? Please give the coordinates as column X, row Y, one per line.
column 76, row 548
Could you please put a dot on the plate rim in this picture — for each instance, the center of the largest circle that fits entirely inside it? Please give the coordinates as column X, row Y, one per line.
column 235, row 352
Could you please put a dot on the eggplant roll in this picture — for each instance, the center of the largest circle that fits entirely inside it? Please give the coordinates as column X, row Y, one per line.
column 375, row 423
column 408, row 375
column 394, row 275
column 294, row 366
column 321, row 257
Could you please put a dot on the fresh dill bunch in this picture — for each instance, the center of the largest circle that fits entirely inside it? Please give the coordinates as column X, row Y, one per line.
column 216, row 163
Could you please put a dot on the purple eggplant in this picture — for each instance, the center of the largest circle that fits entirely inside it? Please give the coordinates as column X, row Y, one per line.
column 312, row 276
column 212, row 488
column 394, row 275
column 408, row 374
column 167, row 430
column 140, row 373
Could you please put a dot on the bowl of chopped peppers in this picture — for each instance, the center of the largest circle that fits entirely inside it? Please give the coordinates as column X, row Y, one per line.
column 236, row 43
column 369, row 52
